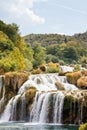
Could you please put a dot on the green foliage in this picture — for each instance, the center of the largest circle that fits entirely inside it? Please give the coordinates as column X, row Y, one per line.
column 39, row 55
column 60, row 47
column 70, row 53
column 18, row 58
column 39, row 49
column 7, row 65
column 14, row 54
column 6, row 45
column 11, row 30
column 52, row 70
column 77, row 67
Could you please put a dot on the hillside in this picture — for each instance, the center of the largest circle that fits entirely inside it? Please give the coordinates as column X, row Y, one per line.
column 61, row 48
column 48, row 39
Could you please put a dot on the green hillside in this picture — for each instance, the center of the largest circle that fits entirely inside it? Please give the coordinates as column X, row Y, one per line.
column 61, row 48
column 28, row 52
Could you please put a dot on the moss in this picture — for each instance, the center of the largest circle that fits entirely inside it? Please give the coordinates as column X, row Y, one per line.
column 82, row 82
column 14, row 80
column 36, row 71
column 52, row 70
column 59, row 86
column 29, row 95
column 73, row 77
column 69, row 112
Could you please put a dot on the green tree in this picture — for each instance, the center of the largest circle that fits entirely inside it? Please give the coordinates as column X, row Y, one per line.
column 39, row 55
column 70, row 53
column 11, row 30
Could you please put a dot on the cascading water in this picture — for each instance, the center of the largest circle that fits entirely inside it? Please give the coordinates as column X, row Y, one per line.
column 2, row 91
column 48, row 103
column 46, row 82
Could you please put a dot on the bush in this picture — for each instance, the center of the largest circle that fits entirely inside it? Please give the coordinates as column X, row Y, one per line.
column 82, row 82
column 52, row 70
column 77, row 68
column 73, row 77
column 83, row 127
column 36, row 71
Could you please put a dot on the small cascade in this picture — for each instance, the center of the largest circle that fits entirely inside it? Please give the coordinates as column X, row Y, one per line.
column 13, row 116
column 7, row 113
column 47, row 105
column 58, row 107
column 36, row 109
column 23, row 108
column 10, row 112
column 46, row 82
column 2, row 91
column 65, row 68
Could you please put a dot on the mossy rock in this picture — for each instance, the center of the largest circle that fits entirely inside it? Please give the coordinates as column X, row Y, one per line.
column 14, row 80
column 30, row 94
column 73, row 77
column 82, row 82
column 59, row 86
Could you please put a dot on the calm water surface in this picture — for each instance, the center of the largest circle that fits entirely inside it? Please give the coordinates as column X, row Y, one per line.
column 30, row 126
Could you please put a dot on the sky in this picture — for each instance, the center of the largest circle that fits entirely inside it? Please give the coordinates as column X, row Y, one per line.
column 45, row 16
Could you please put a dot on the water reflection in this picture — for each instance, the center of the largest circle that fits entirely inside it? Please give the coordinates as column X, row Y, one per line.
column 27, row 126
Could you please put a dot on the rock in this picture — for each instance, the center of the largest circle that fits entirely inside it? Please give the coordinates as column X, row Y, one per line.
column 59, row 86
column 73, row 77
column 82, row 82
column 14, row 80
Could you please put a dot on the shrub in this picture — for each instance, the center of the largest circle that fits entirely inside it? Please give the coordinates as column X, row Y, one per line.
column 52, row 70
column 77, row 68
column 83, row 127
column 73, row 77
column 82, row 82
column 36, row 71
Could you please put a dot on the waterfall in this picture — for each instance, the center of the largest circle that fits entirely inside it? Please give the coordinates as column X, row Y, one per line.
column 10, row 110
column 36, row 109
column 7, row 113
column 58, row 107
column 46, row 104
column 46, row 82
column 2, row 91
column 65, row 68
column 23, row 108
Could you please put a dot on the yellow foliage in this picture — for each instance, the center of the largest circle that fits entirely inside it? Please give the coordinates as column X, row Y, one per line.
column 18, row 58
column 36, row 71
column 83, row 127
column 3, row 36
column 54, row 65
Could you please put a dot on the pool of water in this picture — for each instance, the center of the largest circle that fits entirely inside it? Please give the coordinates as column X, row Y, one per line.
column 35, row 126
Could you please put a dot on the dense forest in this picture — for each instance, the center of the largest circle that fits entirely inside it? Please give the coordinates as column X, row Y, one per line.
column 28, row 52
column 61, row 48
